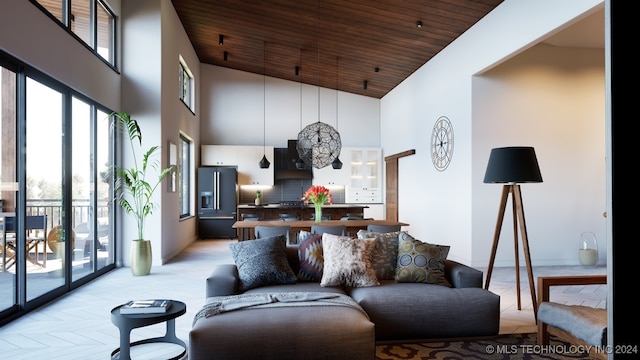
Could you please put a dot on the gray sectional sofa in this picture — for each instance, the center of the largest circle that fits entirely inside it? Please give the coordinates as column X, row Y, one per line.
column 390, row 310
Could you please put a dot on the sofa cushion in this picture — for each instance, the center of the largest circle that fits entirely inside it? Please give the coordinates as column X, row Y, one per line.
column 385, row 255
column 311, row 259
column 347, row 261
column 403, row 311
column 262, row 262
column 420, row 262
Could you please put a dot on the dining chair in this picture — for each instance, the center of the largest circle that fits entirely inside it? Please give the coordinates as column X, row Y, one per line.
column 329, row 229
column 383, row 228
column 262, row 231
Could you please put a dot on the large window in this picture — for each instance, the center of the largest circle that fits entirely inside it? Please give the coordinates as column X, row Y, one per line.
column 55, row 220
column 90, row 20
column 184, row 171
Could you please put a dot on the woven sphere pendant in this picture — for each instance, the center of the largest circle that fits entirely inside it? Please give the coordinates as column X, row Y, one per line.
column 319, row 145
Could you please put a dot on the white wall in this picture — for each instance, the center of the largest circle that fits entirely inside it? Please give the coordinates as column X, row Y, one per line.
column 552, row 99
column 57, row 54
column 441, row 206
column 233, row 110
column 177, row 119
column 153, row 39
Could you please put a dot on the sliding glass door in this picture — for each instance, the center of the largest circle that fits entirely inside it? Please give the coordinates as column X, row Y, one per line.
column 55, row 185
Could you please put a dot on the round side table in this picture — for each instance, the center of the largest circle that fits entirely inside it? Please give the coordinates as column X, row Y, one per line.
column 128, row 322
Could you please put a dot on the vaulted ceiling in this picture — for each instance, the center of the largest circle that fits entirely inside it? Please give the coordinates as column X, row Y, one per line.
column 364, row 47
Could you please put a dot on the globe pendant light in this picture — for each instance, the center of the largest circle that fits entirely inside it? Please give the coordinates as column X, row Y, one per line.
column 264, row 163
column 318, row 144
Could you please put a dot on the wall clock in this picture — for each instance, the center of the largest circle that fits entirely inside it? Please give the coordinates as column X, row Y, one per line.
column 442, row 143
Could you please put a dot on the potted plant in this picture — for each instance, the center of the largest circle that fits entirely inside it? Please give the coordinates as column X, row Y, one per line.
column 134, row 192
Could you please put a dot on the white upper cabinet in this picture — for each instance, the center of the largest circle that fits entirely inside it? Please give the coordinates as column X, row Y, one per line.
column 246, row 158
column 219, row 155
column 365, row 175
column 249, row 171
column 328, row 176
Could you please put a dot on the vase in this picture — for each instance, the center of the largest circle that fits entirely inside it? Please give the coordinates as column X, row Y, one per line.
column 318, row 216
column 141, row 257
column 588, row 250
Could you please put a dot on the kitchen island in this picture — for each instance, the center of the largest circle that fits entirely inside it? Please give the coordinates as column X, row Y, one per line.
column 296, row 210
column 245, row 228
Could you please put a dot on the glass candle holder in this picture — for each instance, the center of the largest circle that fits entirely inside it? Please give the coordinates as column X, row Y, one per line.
column 588, row 249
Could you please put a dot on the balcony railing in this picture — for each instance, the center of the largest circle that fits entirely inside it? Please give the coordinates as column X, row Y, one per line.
column 52, row 208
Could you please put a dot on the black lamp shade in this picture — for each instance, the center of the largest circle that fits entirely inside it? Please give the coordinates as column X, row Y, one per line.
column 516, row 164
column 337, row 164
column 264, row 163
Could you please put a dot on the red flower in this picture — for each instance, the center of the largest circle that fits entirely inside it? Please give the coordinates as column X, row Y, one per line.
column 317, row 194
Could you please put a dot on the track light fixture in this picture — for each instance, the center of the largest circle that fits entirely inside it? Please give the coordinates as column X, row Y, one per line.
column 220, row 39
column 297, row 70
column 365, row 84
column 419, row 24
column 226, row 55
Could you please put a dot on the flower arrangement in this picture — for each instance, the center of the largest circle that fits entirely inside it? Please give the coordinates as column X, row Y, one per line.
column 318, row 195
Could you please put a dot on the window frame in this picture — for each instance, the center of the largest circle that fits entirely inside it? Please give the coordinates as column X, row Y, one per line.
column 186, row 185
column 186, row 91
column 66, row 20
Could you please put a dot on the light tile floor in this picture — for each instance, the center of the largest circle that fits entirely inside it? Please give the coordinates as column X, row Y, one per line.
column 78, row 325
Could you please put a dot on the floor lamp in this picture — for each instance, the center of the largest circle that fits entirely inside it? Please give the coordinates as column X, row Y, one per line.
column 511, row 166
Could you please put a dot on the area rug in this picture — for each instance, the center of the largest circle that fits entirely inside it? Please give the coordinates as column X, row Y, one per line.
column 512, row 346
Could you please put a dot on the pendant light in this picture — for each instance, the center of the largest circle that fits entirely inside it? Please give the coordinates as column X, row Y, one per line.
column 319, row 143
column 337, row 164
column 264, row 163
column 300, row 164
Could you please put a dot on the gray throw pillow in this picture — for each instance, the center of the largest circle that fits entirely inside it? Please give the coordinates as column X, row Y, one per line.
column 262, row 262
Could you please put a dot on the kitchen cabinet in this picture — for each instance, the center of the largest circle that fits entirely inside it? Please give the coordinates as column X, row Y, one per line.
column 365, row 175
column 218, row 155
column 328, row 176
column 249, row 172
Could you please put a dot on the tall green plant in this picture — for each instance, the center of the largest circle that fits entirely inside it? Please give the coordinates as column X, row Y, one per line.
column 133, row 191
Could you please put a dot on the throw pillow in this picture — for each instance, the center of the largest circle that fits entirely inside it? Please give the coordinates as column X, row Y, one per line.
column 347, row 261
column 420, row 262
column 385, row 256
column 262, row 262
column 302, row 236
column 311, row 258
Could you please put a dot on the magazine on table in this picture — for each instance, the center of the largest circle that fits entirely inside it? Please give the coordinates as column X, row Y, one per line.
column 145, row 307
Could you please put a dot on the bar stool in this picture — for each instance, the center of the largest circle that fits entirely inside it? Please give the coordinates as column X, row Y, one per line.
column 250, row 217
column 289, row 217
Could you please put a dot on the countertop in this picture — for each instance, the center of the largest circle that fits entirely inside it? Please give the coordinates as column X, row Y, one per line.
column 278, row 206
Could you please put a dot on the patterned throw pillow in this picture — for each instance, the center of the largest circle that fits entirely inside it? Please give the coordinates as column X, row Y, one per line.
column 302, row 236
column 385, row 256
column 420, row 262
column 347, row 261
column 311, row 258
column 262, row 262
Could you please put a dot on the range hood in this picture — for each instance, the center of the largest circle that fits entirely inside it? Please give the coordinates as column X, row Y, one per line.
column 285, row 164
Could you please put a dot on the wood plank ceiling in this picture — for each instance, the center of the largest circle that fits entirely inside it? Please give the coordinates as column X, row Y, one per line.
column 336, row 44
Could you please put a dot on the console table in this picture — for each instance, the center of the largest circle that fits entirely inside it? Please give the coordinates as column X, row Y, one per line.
column 352, row 226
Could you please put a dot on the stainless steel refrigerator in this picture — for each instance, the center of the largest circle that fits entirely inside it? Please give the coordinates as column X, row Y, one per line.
column 217, row 201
